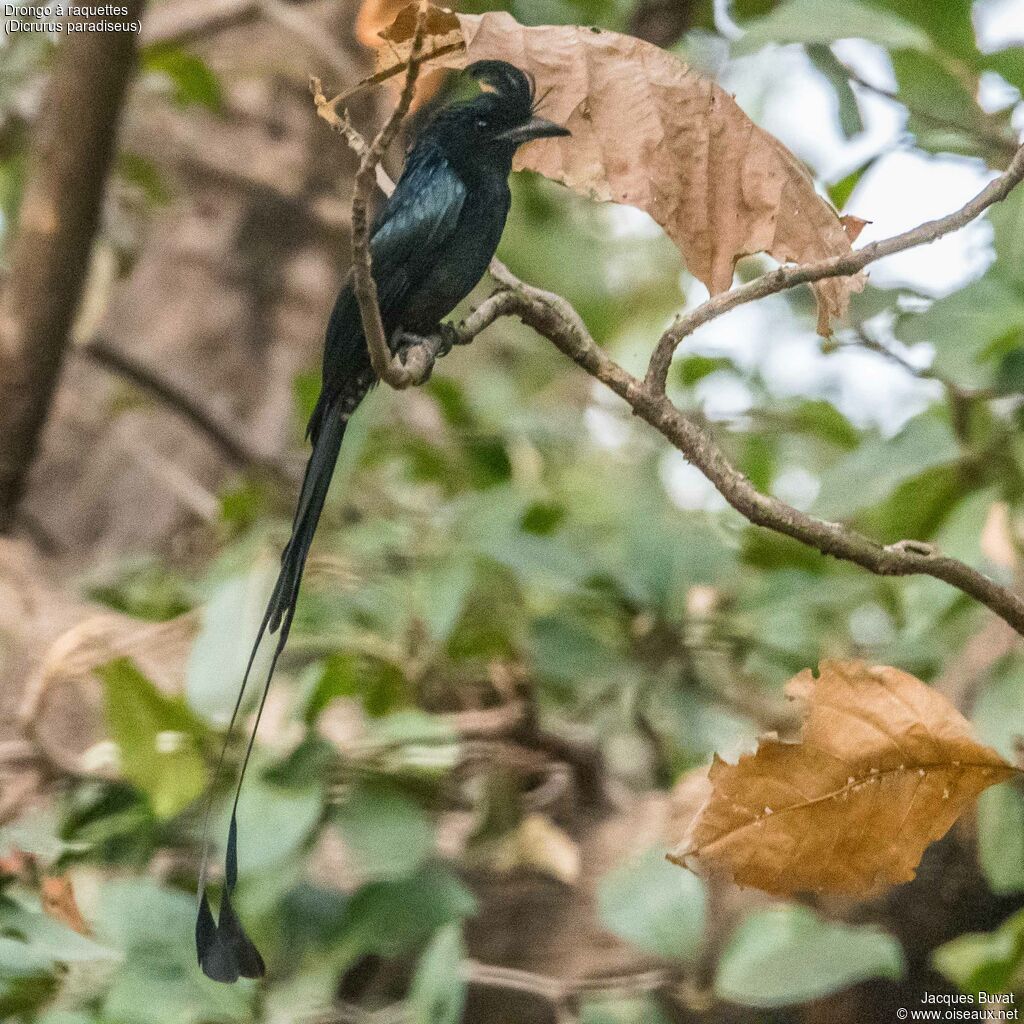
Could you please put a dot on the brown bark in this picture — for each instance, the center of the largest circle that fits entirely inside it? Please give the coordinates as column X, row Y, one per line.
column 70, row 155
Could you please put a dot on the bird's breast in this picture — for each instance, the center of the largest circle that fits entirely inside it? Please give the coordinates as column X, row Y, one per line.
column 463, row 260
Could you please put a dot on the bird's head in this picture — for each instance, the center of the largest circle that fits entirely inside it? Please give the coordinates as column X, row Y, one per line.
column 491, row 126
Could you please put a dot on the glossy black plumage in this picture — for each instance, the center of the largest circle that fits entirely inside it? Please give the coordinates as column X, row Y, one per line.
column 431, row 243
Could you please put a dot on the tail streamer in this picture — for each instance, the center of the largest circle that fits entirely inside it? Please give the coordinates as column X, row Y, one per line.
column 224, row 950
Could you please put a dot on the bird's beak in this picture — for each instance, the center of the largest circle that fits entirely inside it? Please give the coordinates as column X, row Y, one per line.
column 535, row 128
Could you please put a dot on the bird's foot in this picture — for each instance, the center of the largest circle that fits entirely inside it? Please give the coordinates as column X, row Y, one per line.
column 419, row 353
column 416, row 353
column 450, row 336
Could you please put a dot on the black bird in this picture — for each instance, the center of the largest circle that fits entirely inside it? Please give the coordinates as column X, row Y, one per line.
column 430, row 243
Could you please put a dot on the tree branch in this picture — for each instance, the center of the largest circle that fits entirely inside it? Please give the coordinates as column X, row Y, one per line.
column 836, row 266
column 986, row 132
column 235, row 446
column 69, row 159
column 554, row 318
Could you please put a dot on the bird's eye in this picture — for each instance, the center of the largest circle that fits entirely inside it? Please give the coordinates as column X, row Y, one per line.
column 481, row 122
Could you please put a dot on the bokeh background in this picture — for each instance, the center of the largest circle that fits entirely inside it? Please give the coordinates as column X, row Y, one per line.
column 527, row 622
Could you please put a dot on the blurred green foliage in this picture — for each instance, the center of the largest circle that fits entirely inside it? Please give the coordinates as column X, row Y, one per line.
column 534, row 529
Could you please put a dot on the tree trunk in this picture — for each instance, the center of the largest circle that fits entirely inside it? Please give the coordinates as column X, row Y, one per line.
column 70, row 155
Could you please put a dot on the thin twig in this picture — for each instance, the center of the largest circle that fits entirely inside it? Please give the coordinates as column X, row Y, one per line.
column 556, row 991
column 416, row 59
column 983, row 132
column 835, row 266
column 390, row 369
column 234, row 445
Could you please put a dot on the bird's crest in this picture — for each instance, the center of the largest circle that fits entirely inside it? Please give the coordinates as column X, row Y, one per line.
column 514, row 86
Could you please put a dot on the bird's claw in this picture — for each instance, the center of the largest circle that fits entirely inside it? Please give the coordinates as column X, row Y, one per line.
column 449, row 335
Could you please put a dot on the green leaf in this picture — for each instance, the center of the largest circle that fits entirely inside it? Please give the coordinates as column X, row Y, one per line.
column 569, row 648
column 403, row 728
column 999, row 720
column 691, row 369
column 192, row 80
column 1001, row 838
column 654, row 905
column 985, row 961
column 620, row 1010
column 965, row 326
column 441, row 594
column 850, row 121
column 839, row 192
column 18, row 959
column 387, row 835
column 920, row 507
column 145, row 175
column 948, row 23
column 825, row 21
column 438, row 991
column 159, row 739
column 390, row 918
column 231, row 620
column 274, row 822
column 1007, row 220
column 999, row 711
column 379, row 684
column 824, row 420
column 1009, row 378
column 158, row 981
column 872, row 472
column 52, row 938
column 942, row 111
column 1009, row 63
column 788, row 955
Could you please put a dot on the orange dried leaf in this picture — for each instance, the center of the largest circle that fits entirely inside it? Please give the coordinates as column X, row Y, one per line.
column 884, row 766
column 443, row 29
column 58, row 898
column 389, row 26
column 373, row 17
column 649, row 132
column 853, row 226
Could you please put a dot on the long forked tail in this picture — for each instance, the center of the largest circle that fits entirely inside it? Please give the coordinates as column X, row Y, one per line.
column 224, row 950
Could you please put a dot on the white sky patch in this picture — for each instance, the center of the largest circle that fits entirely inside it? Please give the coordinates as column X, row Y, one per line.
column 797, row 487
column 630, row 222
column 606, row 429
column 999, row 23
column 995, row 93
column 687, row 486
column 723, row 396
column 904, row 189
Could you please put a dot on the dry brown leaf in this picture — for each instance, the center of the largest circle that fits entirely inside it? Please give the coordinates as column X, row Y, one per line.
column 884, row 766
column 388, row 27
column 853, row 226
column 649, row 132
column 373, row 17
column 58, row 898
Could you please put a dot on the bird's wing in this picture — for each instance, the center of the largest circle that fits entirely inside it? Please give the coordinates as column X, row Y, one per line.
column 409, row 235
column 414, row 226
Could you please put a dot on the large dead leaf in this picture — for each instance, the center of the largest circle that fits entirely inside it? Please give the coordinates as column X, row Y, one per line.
column 884, row 766
column 649, row 132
